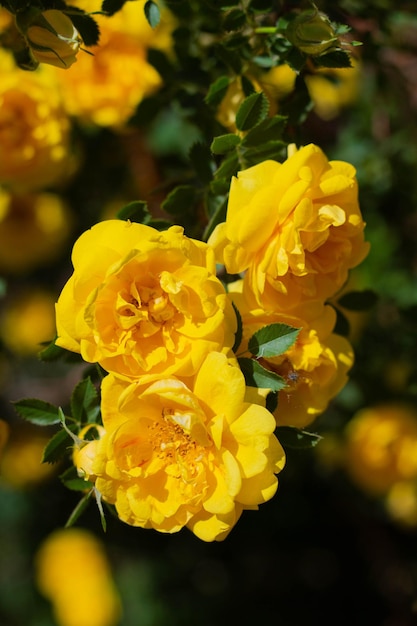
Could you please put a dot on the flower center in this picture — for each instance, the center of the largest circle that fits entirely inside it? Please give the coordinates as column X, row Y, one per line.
column 145, row 307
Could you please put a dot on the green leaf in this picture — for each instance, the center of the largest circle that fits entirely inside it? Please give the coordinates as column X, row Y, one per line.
column 296, row 59
column 272, row 340
column 85, row 403
column 59, row 445
column 238, row 334
column 266, row 131
column 253, row 110
column 52, row 352
column 180, row 200
column 37, row 411
column 112, row 6
column 269, row 150
column 358, row 300
column 217, row 91
column 72, row 481
column 337, row 58
column 86, row 26
column 159, row 224
column 224, row 143
column 79, row 509
column 291, row 437
column 152, row 13
column 136, row 211
column 3, row 287
column 227, row 169
column 258, row 376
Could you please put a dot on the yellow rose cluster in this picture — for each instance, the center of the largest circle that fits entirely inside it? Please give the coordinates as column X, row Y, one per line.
column 186, row 439
column 294, row 230
column 183, row 443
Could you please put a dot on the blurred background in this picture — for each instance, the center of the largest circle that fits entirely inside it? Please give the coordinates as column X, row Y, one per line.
column 338, row 543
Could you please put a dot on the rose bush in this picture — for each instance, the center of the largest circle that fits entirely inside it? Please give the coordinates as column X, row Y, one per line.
column 192, row 453
column 143, row 302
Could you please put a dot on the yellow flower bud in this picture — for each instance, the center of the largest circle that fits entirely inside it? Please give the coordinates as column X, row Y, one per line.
column 51, row 37
column 312, row 32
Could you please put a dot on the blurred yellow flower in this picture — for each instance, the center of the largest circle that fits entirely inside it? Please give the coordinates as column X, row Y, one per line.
column 27, row 321
column 50, row 35
column 34, row 128
column 332, row 90
column 33, row 229
column 73, row 572
column 21, row 462
column 143, row 302
column 381, row 447
column 315, row 368
column 194, row 454
column 105, row 88
column 296, row 227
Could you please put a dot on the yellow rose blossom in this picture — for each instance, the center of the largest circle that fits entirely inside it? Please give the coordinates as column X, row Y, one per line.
column 21, row 462
column 315, row 368
column 34, row 128
column 333, row 89
column 84, row 453
column 143, row 302
column 381, row 447
column 73, row 572
column 33, row 229
column 194, row 454
column 105, row 88
column 27, row 321
column 296, row 227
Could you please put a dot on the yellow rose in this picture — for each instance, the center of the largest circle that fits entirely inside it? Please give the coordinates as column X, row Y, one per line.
column 72, row 571
column 315, row 368
column 28, row 320
column 143, row 302
column 381, row 447
column 34, row 128
column 50, row 35
column 193, row 455
column 85, row 452
column 105, row 88
column 34, row 228
column 296, row 227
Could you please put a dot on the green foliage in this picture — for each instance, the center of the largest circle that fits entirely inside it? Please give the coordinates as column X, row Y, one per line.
column 38, row 412
column 152, row 12
column 252, row 111
column 258, row 376
column 60, row 444
column 272, row 340
column 86, row 26
column 85, row 403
